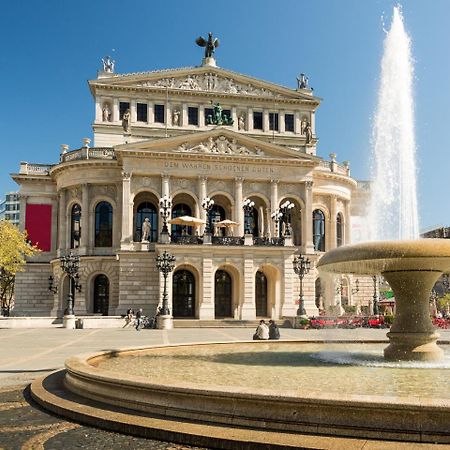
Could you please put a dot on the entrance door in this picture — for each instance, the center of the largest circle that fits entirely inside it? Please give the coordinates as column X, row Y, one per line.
column 223, row 295
column 261, row 294
column 183, row 294
column 101, row 295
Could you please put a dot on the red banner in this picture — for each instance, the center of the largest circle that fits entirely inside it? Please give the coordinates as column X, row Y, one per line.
column 38, row 223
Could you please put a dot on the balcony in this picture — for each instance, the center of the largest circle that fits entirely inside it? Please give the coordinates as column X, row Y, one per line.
column 89, row 153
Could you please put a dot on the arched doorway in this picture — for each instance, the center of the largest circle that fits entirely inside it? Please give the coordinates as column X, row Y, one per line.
column 217, row 214
column 183, row 294
column 261, row 294
column 101, row 295
column 223, row 294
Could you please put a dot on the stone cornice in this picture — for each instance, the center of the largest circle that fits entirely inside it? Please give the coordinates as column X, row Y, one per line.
column 344, row 179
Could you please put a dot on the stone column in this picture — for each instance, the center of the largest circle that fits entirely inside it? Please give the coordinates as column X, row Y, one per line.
column 331, row 242
column 348, row 225
column 265, row 121
column 281, row 124
column 202, row 193
column 84, row 219
column 297, row 123
column 23, row 211
column 250, row 119
column 206, row 307
column 98, row 109
column 165, row 185
column 62, row 220
column 115, row 110
column 288, row 306
column 248, row 307
column 273, row 204
column 238, row 210
column 150, row 113
column 133, row 111
column 307, row 232
column 235, row 118
column 127, row 212
column 201, row 116
column 184, row 115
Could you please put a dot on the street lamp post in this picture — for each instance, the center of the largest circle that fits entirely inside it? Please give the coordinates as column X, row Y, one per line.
column 285, row 209
column 277, row 216
column 375, row 296
column 70, row 265
column 248, row 206
column 165, row 264
column 165, row 206
column 301, row 266
column 207, row 205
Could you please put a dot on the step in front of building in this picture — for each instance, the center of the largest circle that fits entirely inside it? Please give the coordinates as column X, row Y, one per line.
column 223, row 323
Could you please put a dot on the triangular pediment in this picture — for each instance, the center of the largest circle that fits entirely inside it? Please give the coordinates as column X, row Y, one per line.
column 220, row 142
column 206, row 79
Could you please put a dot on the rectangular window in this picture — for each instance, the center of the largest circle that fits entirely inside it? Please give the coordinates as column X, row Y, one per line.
column 289, row 122
column 257, row 120
column 141, row 109
column 123, row 106
column 159, row 114
column 273, row 121
column 209, row 113
column 226, row 113
column 192, row 115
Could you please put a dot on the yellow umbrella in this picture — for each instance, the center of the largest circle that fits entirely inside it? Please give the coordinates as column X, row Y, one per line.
column 226, row 224
column 187, row 220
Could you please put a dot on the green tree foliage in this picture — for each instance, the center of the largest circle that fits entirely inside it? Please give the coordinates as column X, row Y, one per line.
column 14, row 248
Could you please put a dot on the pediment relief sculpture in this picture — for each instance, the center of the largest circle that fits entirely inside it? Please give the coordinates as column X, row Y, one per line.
column 210, row 82
column 220, row 145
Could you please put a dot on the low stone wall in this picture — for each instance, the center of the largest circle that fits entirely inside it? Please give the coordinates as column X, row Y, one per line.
column 50, row 322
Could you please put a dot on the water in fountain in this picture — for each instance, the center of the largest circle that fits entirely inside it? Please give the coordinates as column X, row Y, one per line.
column 393, row 207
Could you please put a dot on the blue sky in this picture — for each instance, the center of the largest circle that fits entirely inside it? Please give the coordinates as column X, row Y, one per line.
column 51, row 48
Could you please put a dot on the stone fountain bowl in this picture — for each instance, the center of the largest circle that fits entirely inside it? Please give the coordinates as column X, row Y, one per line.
column 411, row 268
column 371, row 258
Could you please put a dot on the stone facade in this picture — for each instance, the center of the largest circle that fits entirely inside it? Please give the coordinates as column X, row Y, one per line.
column 100, row 195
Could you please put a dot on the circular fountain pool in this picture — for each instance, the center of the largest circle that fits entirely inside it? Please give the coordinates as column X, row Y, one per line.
column 285, row 387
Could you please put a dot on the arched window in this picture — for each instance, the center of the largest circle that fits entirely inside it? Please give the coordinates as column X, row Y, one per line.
column 261, row 294
column 75, row 227
column 223, row 294
column 103, row 225
column 146, row 210
column 101, row 295
column 216, row 215
column 183, row 294
column 339, row 230
column 181, row 209
column 251, row 222
column 319, row 230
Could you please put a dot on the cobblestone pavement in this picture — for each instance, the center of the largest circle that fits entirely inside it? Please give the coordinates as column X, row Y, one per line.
column 25, row 426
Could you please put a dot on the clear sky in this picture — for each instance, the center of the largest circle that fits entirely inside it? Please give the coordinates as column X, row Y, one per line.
column 49, row 49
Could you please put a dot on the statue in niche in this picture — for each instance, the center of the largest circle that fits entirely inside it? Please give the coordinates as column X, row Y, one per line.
column 126, row 118
column 308, row 133
column 303, row 125
column 241, row 122
column 217, row 114
column 176, row 118
column 302, row 81
column 106, row 113
column 108, row 64
column 146, row 229
column 210, row 45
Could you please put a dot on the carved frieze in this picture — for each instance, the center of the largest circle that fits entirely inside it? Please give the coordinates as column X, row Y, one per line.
column 145, row 182
column 183, row 184
column 220, row 145
column 108, row 190
column 221, row 185
column 251, row 188
column 210, row 82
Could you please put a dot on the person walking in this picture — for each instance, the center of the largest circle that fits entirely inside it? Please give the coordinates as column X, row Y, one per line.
column 262, row 332
column 139, row 319
column 274, row 331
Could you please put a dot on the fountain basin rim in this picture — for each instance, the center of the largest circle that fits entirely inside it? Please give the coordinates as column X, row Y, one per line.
column 370, row 258
column 83, row 366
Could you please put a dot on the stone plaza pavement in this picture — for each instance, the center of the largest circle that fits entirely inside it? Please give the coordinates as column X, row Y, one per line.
column 30, row 353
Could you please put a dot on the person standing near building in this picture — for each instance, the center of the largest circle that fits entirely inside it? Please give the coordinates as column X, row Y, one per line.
column 138, row 319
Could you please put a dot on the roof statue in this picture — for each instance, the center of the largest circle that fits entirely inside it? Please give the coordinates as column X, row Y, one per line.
column 108, row 64
column 302, row 81
column 210, row 45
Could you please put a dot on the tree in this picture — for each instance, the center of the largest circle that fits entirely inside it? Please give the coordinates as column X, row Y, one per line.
column 14, row 248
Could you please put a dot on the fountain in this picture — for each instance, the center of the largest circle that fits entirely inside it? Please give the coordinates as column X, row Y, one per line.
column 272, row 394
